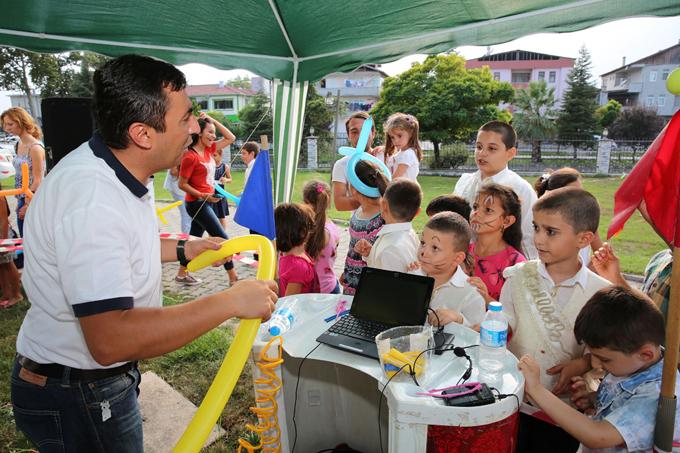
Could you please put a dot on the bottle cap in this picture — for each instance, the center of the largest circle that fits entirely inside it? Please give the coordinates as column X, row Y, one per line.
column 275, row 331
column 495, row 306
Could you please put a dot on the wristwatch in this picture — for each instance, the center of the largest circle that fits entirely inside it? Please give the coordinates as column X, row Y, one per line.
column 181, row 257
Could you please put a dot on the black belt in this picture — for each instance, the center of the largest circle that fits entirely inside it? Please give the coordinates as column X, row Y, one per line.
column 54, row 370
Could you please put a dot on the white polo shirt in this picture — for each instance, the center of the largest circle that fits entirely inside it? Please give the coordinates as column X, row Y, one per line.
column 395, row 249
column 91, row 245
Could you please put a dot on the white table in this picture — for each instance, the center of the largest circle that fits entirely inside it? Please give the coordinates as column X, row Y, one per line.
column 338, row 391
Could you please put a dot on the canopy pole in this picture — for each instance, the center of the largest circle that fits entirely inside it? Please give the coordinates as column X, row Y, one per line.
column 665, row 417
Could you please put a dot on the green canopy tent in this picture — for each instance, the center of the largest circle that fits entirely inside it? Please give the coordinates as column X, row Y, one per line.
column 295, row 42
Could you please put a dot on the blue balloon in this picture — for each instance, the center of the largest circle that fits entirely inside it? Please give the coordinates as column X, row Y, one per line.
column 227, row 195
column 354, row 180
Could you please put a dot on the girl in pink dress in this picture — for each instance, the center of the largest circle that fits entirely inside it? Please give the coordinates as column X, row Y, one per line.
column 294, row 223
column 322, row 245
column 496, row 222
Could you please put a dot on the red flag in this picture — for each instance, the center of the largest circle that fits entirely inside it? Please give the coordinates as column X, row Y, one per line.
column 656, row 180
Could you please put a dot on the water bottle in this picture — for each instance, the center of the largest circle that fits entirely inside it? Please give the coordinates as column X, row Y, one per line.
column 493, row 337
column 281, row 321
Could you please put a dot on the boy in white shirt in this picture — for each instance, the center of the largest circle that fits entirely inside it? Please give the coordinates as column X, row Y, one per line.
column 397, row 244
column 495, row 147
column 542, row 298
column 443, row 247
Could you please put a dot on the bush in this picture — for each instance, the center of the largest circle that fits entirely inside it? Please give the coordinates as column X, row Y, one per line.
column 451, row 156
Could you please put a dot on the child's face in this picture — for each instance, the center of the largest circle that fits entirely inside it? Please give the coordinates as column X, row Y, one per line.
column 555, row 239
column 619, row 363
column 488, row 216
column 246, row 157
column 491, row 155
column 399, row 137
column 437, row 254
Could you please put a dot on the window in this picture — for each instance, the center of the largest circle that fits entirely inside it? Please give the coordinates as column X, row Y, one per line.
column 552, row 76
column 664, row 74
column 541, row 75
column 650, row 101
column 202, row 104
column 521, row 77
column 224, row 104
column 497, row 76
column 662, row 101
column 652, row 76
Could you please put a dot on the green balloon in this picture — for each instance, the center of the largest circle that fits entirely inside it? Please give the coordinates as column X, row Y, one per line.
column 673, row 82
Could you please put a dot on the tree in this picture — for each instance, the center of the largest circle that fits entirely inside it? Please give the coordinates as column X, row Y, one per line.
column 534, row 118
column 240, row 82
column 449, row 100
column 577, row 118
column 636, row 124
column 607, row 114
column 317, row 114
column 255, row 112
column 81, row 85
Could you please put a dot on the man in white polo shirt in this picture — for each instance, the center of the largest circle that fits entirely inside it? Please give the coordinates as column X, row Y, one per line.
column 93, row 269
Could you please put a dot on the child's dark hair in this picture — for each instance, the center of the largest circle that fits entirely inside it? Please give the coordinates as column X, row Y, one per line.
column 251, row 147
column 511, row 206
column 450, row 222
column 317, row 194
column 403, row 196
column 621, row 319
column 507, row 133
column 371, row 175
column 293, row 225
column 556, row 180
column 576, row 206
column 449, row 202
column 407, row 123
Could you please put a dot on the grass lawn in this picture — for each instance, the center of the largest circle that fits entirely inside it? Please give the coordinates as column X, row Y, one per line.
column 635, row 245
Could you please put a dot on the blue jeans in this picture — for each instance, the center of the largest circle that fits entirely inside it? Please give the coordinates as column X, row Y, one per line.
column 205, row 219
column 186, row 219
column 66, row 416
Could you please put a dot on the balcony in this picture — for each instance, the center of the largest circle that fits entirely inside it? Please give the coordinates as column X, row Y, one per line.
column 356, row 91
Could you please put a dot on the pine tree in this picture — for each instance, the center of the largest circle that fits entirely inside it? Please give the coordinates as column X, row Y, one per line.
column 577, row 122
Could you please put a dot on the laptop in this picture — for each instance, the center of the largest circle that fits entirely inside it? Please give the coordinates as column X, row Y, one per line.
column 383, row 299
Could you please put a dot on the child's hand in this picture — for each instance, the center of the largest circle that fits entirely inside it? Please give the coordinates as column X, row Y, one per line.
column 581, row 396
column 481, row 288
column 568, row 370
column 414, row 266
column 363, row 247
column 607, row 264
column 444, row 316
column 531, row 371
column 475, row 327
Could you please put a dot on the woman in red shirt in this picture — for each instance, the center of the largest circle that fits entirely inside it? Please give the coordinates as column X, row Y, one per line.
column 197, row 179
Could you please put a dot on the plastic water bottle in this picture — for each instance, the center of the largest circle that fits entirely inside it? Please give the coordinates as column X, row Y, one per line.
column 493, row 337
column 281, row 321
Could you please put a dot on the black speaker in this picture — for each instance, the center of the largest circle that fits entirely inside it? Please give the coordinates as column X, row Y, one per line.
column 67, row 123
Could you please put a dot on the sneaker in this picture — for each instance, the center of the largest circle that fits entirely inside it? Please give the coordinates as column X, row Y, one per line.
column 188, row 280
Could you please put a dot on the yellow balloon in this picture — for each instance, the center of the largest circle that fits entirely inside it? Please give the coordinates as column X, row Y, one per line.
column 220, row 390
column 160, row 211
column 673, row 82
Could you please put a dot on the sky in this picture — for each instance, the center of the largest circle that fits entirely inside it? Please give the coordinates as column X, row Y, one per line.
column 608, row 44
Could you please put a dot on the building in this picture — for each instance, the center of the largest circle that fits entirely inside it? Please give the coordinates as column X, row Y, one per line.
column 358, row 90
column 519, row 67
column 643, row 82
column 31, row 105
column 221, row 98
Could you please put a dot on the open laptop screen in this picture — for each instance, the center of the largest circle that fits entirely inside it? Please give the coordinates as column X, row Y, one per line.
column 392, row 298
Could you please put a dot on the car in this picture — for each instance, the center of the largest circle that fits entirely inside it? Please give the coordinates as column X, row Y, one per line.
column 6, row 167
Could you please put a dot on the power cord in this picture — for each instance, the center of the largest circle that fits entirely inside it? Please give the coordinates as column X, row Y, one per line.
column 297, row 384
column 382, row 394
column 502, row 396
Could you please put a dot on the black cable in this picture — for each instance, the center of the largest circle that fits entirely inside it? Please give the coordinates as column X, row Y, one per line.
column 440, row 328
column 297, row 384
column 382, row 394
column 502, row 396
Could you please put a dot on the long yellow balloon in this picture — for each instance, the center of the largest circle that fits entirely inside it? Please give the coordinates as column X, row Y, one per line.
column 220, row 390
column 161, row 211
column 24, row 190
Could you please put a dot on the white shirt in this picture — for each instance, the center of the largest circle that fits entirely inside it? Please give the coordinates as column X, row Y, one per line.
column 91, row 246
column 408, row 157
column 395, row 248
column 469, row 183
column 249, row 168
column 457, row 294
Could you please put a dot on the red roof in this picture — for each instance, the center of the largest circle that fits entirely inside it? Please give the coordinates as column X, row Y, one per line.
column 216, row 90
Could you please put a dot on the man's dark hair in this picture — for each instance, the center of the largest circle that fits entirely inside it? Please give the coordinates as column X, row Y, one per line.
column 621, row 319
column 130, row 89
column 576, row 206
column 450, row 222
column 449, row 202
column 251, row 147
column 507, row 133
column 403, row 196
column 362, row 115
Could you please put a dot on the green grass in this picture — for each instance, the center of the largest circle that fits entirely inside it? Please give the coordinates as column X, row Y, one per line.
column 635, row 245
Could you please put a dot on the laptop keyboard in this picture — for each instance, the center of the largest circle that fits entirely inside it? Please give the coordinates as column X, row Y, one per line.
column 358, row 328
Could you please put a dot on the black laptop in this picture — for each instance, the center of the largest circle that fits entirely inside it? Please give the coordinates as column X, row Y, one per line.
column 383, row 299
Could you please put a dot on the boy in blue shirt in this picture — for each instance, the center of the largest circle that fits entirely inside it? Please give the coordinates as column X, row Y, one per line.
column 624, row 331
